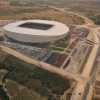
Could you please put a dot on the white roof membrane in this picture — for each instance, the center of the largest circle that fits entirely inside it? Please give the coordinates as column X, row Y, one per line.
column 35, row 31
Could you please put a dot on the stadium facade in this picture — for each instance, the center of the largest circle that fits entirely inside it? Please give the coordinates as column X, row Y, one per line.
column 36, row 31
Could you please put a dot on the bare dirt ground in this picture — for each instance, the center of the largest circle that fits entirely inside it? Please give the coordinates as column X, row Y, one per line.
column 43, row 13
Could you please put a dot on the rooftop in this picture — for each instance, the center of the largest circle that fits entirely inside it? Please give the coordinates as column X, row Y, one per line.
column 36, row 30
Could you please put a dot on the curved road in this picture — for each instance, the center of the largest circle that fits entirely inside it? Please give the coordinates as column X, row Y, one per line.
column 94, row 30
column 80, row 87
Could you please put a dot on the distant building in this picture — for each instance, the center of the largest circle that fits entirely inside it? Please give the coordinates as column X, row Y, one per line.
column 4, row 4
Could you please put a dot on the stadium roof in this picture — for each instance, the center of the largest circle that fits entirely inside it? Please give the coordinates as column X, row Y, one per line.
column 42, row 30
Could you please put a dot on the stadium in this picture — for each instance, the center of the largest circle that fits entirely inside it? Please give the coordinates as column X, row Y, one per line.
column 36, row 31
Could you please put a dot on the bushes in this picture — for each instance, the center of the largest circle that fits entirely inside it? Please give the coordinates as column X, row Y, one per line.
column 40, row 81
column 96, row 19
column 14, row 2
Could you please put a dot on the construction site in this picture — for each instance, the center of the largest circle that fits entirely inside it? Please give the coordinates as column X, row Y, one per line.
column 65, row 69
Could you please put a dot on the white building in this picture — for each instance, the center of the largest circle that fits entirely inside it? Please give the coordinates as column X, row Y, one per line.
column 36, row 31
column 4, row 4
